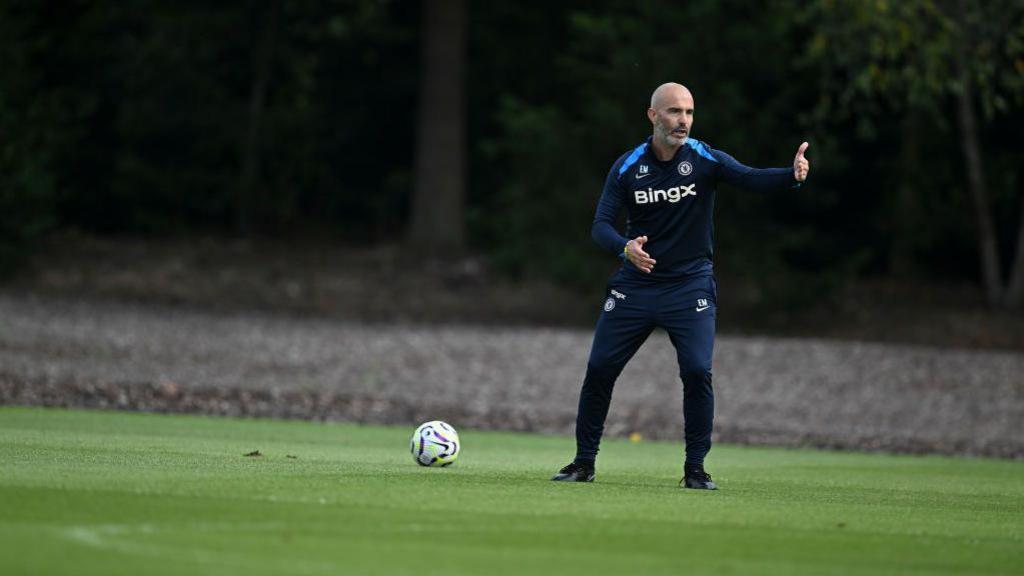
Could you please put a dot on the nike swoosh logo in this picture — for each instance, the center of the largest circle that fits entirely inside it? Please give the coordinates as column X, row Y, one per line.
column 699, row 309
column 639, row 176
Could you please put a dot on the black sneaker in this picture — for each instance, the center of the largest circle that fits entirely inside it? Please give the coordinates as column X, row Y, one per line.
column 575, row 473
column 695, row 477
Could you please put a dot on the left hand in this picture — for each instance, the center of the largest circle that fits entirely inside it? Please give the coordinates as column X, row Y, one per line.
column 800, row 164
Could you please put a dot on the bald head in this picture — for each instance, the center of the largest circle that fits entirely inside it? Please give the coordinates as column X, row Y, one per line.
column 671, row 115
column 669, row 91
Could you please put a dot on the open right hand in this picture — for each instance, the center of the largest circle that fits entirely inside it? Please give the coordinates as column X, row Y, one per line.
column 639, row 258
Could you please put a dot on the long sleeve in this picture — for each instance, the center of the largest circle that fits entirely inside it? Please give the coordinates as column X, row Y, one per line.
column 603, row 230
column 753, row 179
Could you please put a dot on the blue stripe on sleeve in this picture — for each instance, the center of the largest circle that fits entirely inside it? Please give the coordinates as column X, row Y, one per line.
column 701, row 149
column 637, row 153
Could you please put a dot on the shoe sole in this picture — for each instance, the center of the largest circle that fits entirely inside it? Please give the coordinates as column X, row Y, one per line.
column 709, row 486
column 569, row 479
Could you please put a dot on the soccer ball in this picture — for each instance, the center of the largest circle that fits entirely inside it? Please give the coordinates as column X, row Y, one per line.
column 434, row 443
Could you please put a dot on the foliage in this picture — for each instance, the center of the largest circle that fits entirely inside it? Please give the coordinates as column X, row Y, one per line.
column 894, row 71
column 131, row 118
column 874, row 57
column 29, row 137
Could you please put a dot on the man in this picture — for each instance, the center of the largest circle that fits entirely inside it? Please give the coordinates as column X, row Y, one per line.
column 667, row 186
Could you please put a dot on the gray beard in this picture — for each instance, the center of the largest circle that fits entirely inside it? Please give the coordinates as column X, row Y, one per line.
column 668, row 139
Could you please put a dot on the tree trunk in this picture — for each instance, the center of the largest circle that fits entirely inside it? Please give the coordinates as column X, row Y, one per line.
column 266, row 21
column 987, row 246
column 907, row 210
column 1015, row 291
column 437, row 209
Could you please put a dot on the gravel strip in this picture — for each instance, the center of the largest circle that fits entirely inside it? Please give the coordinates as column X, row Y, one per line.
column 791, row 392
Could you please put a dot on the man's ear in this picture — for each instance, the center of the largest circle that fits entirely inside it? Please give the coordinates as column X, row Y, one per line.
column 651, row 114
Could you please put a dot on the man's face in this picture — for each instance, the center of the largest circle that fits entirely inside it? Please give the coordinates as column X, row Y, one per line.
column 672, row 117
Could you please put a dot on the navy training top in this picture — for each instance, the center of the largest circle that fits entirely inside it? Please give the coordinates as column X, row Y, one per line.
column 672, row 204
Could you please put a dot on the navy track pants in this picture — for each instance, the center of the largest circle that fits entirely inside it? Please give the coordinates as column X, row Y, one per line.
column 686, row 310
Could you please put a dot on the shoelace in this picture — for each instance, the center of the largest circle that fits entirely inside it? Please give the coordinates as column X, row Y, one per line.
column 699, row 474
column 571, row 468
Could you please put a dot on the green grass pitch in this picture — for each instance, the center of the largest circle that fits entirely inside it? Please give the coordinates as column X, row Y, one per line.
column 115, row 493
